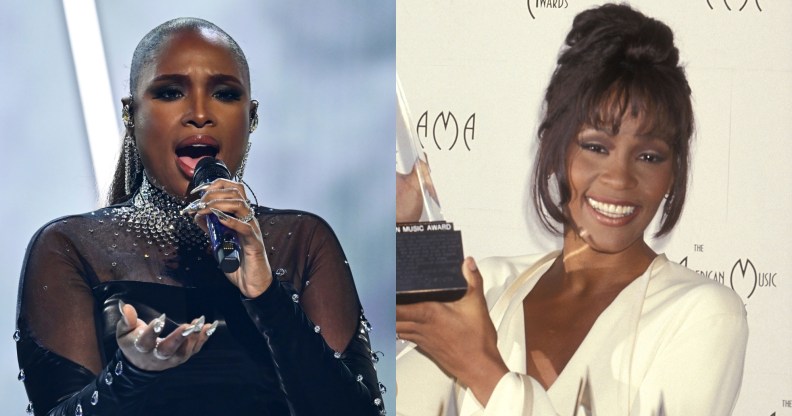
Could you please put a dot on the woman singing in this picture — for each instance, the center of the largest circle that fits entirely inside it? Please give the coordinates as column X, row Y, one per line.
column 605, row 326
column 123, row 311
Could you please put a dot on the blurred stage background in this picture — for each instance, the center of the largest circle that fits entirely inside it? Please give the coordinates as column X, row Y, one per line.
column 323, row 73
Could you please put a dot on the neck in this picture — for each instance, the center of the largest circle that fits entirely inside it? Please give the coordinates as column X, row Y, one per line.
column 584, row 269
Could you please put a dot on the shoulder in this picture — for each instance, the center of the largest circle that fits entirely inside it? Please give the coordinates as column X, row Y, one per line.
column 275, row 216
column 500, row 272
column 673, row 286
column 64, row 228
column 293, row 224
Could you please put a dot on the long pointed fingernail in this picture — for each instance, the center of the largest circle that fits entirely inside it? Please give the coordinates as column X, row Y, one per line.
column 194, row 206
column 200, row 323
column 212, row 328
column 200, row 188
column 159, row 323
column 121, row 305
column 220, row 214
column 190, row 329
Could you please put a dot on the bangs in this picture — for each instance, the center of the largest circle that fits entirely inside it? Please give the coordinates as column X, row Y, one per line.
column 640, row 96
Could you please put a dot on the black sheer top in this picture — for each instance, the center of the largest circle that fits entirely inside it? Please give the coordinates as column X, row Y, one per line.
column 300, row 348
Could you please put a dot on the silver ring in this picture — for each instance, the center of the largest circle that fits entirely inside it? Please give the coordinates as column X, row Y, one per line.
column 247, row 218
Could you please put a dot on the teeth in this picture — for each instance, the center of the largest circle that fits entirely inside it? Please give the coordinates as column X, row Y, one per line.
column 611, row 210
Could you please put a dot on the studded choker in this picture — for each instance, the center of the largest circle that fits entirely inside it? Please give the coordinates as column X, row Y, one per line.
column 154, row 218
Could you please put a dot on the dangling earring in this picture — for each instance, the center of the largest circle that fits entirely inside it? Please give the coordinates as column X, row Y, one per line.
column 253, row 116
column 131, row 163
column 131, row 157
column 241, row 170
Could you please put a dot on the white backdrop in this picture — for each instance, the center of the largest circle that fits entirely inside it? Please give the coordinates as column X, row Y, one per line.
column 324, row 75
column 488, row 63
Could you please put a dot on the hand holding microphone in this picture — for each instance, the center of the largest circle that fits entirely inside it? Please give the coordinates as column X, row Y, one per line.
column 225, row 244
column 224, row 212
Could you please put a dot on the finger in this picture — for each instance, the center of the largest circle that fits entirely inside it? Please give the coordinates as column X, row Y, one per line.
column 472, row 276
column 242, row 228
column 211, row 195
column 146, row 337
column 233, row 206
column 128, row 321
column 203, row 336
column 171, row 344
column 225, row 184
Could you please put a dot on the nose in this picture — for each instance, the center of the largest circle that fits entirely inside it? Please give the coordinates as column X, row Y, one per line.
column 619, row 174
column 199, row 112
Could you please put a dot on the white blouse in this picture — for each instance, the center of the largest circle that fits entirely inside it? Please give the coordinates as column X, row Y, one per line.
column 670, row 336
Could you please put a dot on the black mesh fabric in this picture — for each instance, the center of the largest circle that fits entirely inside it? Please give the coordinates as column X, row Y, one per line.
column 301, row 348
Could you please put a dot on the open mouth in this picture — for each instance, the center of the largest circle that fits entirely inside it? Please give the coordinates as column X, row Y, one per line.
column 611, row 210
column 190, row 151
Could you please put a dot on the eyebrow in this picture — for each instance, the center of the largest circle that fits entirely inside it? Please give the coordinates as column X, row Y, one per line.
column 214, row 79
column 588, row 130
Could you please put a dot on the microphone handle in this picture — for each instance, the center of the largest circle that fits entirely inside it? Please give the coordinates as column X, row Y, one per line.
column 225, row 244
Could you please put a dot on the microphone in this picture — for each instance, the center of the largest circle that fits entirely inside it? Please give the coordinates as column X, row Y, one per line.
column 225, row 244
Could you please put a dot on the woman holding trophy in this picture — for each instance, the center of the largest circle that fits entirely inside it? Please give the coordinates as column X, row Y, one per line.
column 605, row 325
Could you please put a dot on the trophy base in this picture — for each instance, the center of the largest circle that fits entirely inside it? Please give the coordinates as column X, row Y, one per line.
column 428, row 262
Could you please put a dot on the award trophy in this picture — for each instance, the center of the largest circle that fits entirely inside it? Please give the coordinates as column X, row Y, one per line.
column 428, row 249
column 584, row 405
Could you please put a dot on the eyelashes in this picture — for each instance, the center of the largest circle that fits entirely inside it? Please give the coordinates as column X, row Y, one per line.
column 597, row 148
column 228, row 94
column 168, row 93
column 173, row 93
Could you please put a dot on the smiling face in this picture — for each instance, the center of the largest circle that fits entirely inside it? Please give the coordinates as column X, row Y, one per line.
column 617, row 182
column 192, row 100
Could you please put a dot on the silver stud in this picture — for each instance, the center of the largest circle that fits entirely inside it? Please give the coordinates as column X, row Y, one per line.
column 377, row 401
column 382, row 388
column 317, row 329
column 21, row 375
column 119, row 368
column 280, row 272
column 114, row 264
column 78, row 411
column 359, row 378
column 29, row 408
column 95, row 398
column 108, row 379
column 17, row 337
column 295, row 298
column 337, row 354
